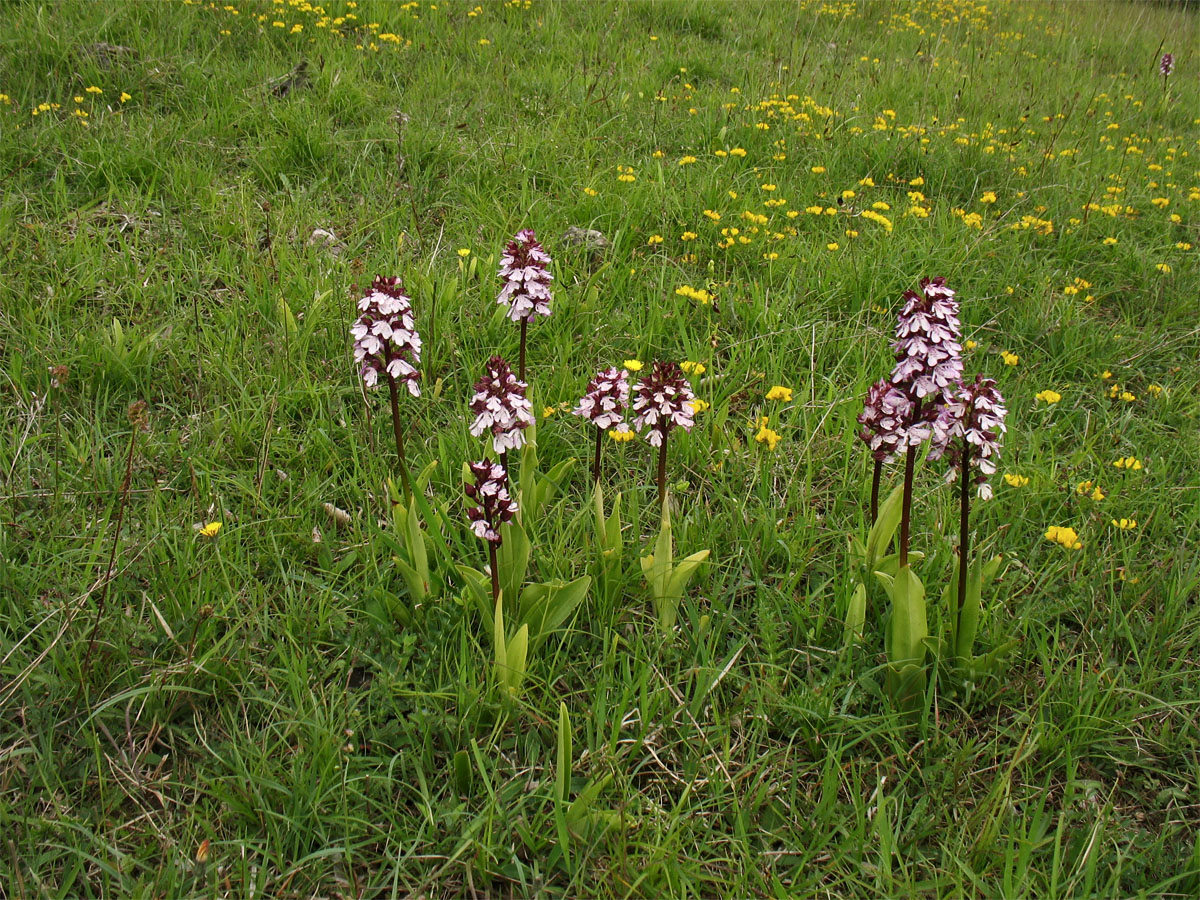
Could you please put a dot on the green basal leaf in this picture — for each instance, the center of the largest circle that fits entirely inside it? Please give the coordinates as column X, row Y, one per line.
column 884, row 529
column 856, row 613
column 908, row 622
column 564, row 754
column 516, row 653
column 418, row 587
column 462, row 772
column 512, row 558
column 478, row 591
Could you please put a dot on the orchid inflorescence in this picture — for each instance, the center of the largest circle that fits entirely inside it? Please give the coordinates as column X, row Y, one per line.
column 974, row 414
column 605, row 399
column 385, row 336
column 663, row 402
column 496, row 507
column 524, row 269
column 501, row 407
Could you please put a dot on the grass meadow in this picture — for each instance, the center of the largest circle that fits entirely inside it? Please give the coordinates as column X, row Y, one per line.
column 215, row 680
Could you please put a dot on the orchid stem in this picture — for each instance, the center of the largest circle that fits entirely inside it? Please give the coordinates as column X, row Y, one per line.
column 599, row 449
column 875, row 478
column 399, row 438
column 910, row 459
column 964, row 535
column 662, row 471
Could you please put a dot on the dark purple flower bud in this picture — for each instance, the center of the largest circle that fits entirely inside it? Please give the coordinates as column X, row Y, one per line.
column 974, row 412
column 663, row 401
column 1166, row 65
column 490, row 491
column 386, row 341
column 501, row 408
column 524, row 269
column 606, row 398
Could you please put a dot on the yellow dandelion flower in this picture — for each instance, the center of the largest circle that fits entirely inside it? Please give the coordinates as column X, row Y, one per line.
column 210, row 530
column 633, row 365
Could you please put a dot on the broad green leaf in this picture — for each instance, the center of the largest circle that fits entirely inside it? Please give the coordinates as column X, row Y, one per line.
column 908, row 623
column 856, row 613
column 512, row 558
column 516, row 653
column 478, row 591
column 418, row 587
column 886, row 522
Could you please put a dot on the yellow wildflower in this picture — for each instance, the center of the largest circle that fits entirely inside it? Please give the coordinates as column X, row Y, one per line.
column 1016, row 480
column 779, row 392
column 1010, row 359
column 1128, row 462
column 211, row 529
column 633, row 365
column 1065, row 536
column 692, row 368
column 1124, row 524
column 1048, row 396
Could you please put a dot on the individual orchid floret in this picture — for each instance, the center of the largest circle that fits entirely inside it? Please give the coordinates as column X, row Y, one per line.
column 663, row 401
column 496, row 507
column 524, row 269
column 385, row 335
column 927, row 348
column 606, row 398
column 1166, row 65
column 968, row 431
column 501, row 407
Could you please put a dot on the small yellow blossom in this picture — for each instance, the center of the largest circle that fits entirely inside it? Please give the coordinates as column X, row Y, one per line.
column 1065, row 536
column 1106, row 374
column 591, row 192
column 658, row 154
column 622, row 434
column 464, row 251
column 692, row 368
column 548, row 411
column 818, row 170
column 655, row 240
column 1128, row 397
column 988, row 197
column 1090, row 489
column 738, row 152
column 688, row 236
column 779, row 392
column 917, row 182
column 1048, row 396
column 1015, row 480
column 715, row 216
column 766, row 435
column 970, row 345
column 633, row 365
column 1155, row 389
column 831, row 246
column 699, row 406
column 1124, row 524
column 1128, row 462
column 687, row 160
column 1164, row 268
column 95, row 90
column 1010, row 359
column 1109, row 242
column 211, row 529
